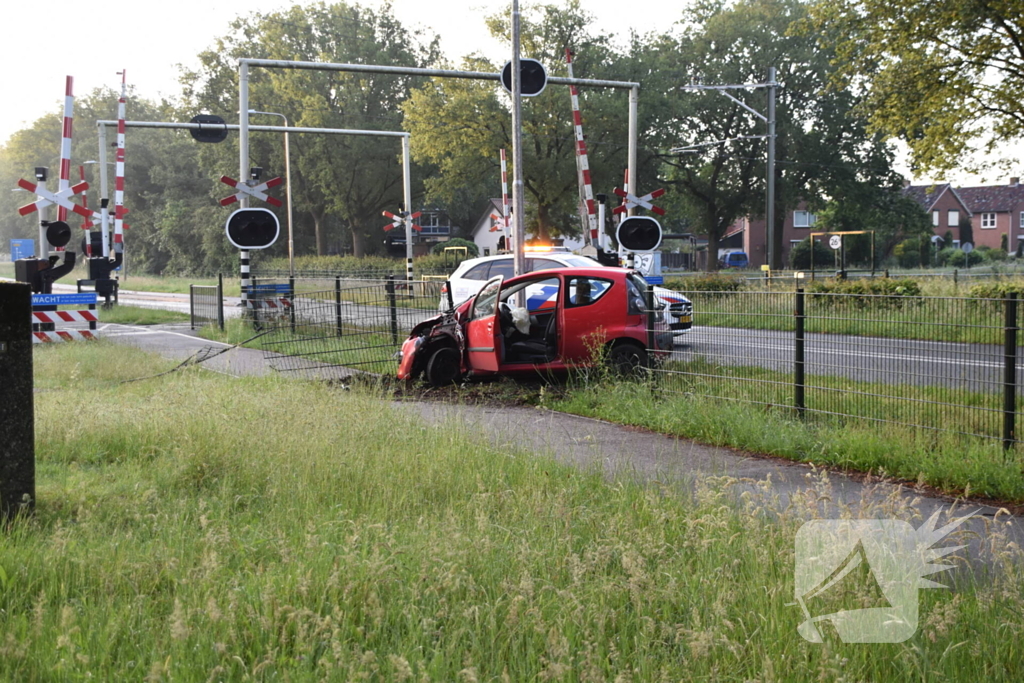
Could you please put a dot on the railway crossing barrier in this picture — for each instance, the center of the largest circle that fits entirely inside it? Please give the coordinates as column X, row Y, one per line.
column 46, row 316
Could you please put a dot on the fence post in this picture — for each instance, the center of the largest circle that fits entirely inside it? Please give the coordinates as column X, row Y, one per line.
column 1010, row 371
column 389, row 287
column 337, row 304
column 191, row 307
column 220, row 301
column 291, row 298
column 798, row 355
column 650, row 316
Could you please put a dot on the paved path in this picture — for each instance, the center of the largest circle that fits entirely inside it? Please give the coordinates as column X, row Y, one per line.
column 619, row 451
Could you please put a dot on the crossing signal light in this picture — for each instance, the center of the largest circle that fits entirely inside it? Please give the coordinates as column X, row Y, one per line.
column 639, row 233
column 252, row 228
column 532, row 77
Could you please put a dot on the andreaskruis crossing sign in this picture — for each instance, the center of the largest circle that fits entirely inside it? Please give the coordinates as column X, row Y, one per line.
column 61, row 199
column 256, row 191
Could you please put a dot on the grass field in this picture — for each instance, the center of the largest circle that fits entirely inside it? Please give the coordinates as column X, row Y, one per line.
column 208, row 528
column 138, row 315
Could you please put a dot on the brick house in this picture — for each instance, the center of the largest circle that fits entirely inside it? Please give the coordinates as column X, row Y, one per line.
column 946, row 207
column 996, row 211
column 749, row 233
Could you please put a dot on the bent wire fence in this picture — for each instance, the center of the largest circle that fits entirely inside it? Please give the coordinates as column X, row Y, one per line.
column 941, row 364
column 358, row 324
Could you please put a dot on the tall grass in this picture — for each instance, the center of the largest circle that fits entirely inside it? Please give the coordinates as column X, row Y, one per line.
column 207, row 528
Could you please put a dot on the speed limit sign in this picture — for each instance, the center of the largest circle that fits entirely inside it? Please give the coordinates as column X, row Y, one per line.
column 835, row 241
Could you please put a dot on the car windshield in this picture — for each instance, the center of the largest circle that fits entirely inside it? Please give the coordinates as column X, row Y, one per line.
column 580, row 262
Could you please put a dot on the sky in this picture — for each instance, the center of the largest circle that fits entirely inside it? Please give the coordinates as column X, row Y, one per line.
column 150, row 45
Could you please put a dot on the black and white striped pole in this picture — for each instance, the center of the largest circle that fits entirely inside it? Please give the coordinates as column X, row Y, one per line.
column 244, row 275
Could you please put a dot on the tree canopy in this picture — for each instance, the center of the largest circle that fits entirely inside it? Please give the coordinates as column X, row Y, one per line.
column 944, row 76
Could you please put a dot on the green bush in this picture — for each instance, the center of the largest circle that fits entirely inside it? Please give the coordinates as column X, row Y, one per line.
column 800, row 256
column 951, row 256
column 708, row 282
column 472, row 248
column 878, row 293
column 908, row 253
column 990, row 255
column 996, row 290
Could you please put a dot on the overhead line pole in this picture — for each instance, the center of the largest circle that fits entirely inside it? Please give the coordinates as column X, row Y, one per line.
column 518, row 203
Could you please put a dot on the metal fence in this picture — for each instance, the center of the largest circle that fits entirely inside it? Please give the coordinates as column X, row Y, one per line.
column 359, row 324
column 934, row 363
column 206, row 304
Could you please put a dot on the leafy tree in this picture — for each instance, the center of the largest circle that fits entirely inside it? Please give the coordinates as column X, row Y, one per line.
column 967, row 231
column 800, row 255
column 940, row 75
column 458, row 126
column 822, row 149
column 340, row 180
column 886, row 211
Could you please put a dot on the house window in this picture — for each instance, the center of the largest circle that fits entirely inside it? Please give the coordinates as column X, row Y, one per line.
column 952, row 218
column 1022, row 220
column 487, row 251
column 935, row 218
column 988, row 221
column 804, row 219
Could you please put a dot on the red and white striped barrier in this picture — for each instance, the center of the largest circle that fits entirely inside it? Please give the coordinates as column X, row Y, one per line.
column 62, row 335
column 256, row 191
column 65, row 146
column 582, row 163
column 64, row 317
column 270, row 303
column 119, row 210
column 505, row 220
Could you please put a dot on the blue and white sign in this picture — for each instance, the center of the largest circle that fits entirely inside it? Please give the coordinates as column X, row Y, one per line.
column 22, row 249
column 64, row 299
column 655, row 279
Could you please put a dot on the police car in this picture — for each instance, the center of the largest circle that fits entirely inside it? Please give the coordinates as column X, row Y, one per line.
column 471, row 275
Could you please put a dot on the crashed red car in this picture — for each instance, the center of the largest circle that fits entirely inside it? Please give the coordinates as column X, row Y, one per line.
column 540, row 323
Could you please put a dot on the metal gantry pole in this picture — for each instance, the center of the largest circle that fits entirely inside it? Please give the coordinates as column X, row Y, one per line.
column 770, row 208
column 104, row 189
column 407, row 219
column 634, row 99
column 518, row 203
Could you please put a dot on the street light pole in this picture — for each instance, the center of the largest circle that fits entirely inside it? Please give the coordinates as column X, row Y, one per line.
column 287, row 190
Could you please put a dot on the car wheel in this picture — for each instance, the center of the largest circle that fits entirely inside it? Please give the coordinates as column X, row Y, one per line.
column 443, row 367
column 627, row 358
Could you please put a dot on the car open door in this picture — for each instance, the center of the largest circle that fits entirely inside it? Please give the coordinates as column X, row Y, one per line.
column 483, row 332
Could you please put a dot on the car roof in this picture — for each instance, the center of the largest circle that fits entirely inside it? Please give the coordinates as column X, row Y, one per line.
column 596, row 272
column 556, row 255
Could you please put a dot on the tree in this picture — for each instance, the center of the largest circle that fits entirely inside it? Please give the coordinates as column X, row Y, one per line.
column 941, row 75
column 459, row 126
column 822, row 149
column 886, row 211
column 345, row 179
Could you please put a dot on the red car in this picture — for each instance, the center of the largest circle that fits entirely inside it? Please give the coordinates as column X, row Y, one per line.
column 543, row 322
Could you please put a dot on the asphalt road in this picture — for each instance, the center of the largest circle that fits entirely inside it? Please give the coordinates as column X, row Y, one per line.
column 972, row 367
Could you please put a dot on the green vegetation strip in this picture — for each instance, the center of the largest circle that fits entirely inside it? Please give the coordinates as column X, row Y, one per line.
column 205, row 528
column 748, row 408
column 138, row 315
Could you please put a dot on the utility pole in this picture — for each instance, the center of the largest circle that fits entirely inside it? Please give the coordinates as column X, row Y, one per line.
column 770, row 201
column 772, row 87
column 518, row 203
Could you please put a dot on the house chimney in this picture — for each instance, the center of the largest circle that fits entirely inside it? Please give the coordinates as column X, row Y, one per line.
column 1014, row 182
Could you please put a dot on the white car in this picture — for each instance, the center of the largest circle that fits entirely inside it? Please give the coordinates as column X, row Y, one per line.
column 471, row 275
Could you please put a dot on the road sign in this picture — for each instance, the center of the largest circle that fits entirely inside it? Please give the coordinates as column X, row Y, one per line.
column 256, row 191
column 532, row 76
column 632, row 201
column 252, row 228
column 639, row 233
column 213, row 128
column 835, row 241
column 967, row 247
column 84, row 298
column 22, row 249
